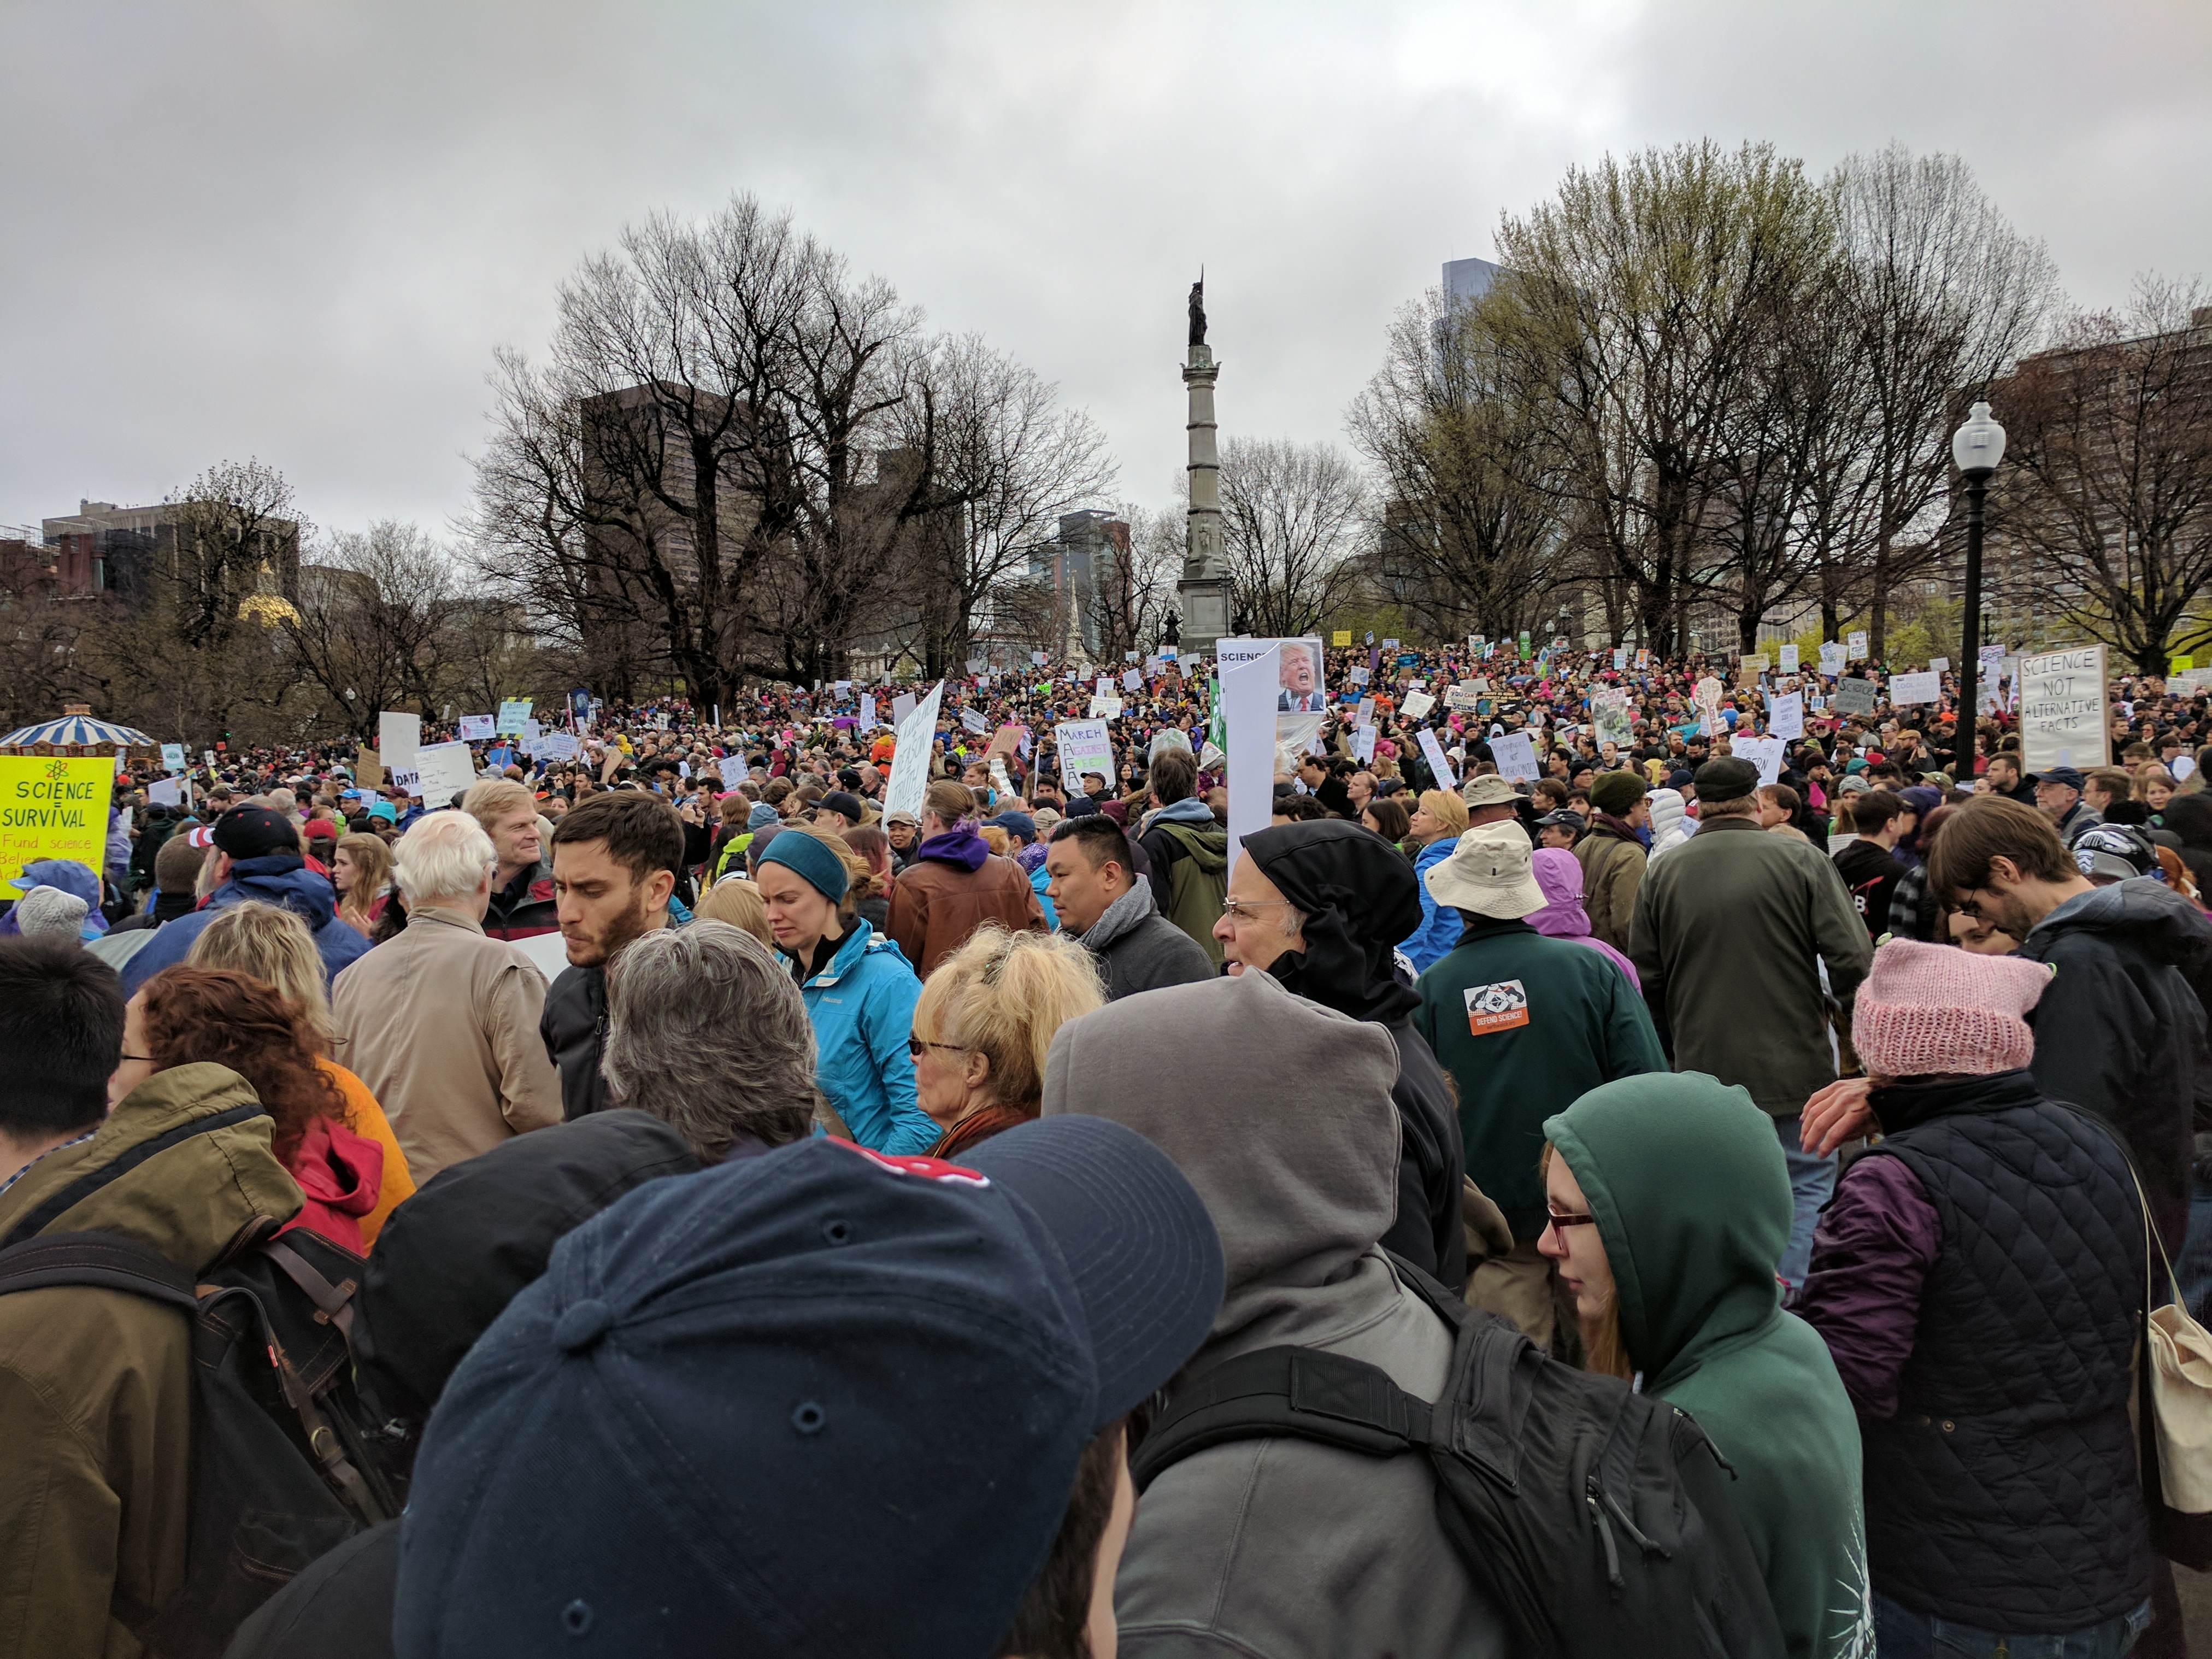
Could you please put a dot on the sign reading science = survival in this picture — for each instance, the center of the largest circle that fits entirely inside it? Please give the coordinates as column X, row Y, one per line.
column 53, row 806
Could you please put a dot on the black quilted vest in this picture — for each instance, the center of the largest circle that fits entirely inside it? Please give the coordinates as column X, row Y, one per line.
column 2002, row 1494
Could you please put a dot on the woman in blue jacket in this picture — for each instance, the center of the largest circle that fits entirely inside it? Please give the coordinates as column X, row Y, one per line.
column 1437, row 820
column 859, row 987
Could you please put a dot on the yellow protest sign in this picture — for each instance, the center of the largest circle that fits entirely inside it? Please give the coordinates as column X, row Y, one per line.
column 53, row 806
column 2183, row 665
column 1341, row 637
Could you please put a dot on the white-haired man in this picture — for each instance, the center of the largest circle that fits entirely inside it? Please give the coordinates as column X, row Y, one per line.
column 441, row 1023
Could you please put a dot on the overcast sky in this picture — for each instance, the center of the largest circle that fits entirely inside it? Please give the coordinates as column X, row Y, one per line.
column 298, row 230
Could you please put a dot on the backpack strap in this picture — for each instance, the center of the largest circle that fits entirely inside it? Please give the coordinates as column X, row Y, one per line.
column 105, row 1261
column 1297, row 1392
column 333, row 1302
column 85, row 1186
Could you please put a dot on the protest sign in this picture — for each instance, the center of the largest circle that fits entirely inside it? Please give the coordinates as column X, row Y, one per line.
column 1831, row 658
column 1516, row 755
column 1785, row 715
column 512, row 713
column 1084, row 746
column 1364, row 714
column 1298, row 661
column 557, row 745
column 443, row 770
column 2062, row 710
column 1249, row 692
column 1854, row 696
column 1417, row 704
column 397, row 736
column 1439, row 763
column 1105, row 708
column 917, row 726
column 207, row 757
column 169, row 792
column 1008, row 738
column 974, row 664
column 1709, row 707
column 1037, row 658
column 1359, row 675
column 1855, row 646
column 1620, row 658
column 1756, row 662
column 1340, row 638
column 1765, row 753
column 53, row 806
column 1389, row 644
column 1362, row 743
column 1464, row 695
column 1643, row 660
column 367, row 769
column 1610, row 715
column 902, row 706
column 173, row 757
column 1132, row 680
column 1915, row 688
column 478, row 728
column 1939, row 664
column 971, row 721
column 404, row 779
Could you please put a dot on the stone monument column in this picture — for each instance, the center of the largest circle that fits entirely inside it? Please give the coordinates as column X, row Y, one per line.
column 1204, row 589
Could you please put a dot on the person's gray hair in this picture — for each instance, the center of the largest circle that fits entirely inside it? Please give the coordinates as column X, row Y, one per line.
column 445, row 855
column 707, row 1031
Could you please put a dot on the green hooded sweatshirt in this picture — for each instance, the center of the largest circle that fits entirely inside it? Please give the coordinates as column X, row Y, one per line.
column 1691, row 1197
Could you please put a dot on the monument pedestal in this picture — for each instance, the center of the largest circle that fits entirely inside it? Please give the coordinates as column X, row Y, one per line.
column 1204, row 590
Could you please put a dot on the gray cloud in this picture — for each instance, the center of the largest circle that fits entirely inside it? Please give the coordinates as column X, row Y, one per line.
column 298, row 232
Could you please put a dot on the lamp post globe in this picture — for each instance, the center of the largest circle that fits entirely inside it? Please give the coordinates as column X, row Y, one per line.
column 1976, row 447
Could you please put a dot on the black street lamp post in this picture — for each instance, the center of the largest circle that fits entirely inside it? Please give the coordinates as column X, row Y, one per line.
column 1976, row 447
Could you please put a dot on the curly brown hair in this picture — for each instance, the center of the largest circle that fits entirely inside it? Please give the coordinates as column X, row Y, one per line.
column 230, row 1018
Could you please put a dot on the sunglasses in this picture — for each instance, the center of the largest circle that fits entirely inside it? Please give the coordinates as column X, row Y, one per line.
column 914, row 1046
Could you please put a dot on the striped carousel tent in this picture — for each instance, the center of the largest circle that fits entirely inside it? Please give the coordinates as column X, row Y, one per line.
column 77, row 733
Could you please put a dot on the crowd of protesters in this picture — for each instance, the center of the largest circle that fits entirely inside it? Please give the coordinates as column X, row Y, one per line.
column 764, row 1215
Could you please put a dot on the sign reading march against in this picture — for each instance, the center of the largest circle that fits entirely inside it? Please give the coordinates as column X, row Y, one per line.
column 53, row 806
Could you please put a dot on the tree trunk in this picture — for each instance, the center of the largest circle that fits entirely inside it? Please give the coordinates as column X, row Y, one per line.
column 1878, row 623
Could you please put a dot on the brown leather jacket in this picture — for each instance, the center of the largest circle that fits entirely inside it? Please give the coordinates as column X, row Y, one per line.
column 937, row 902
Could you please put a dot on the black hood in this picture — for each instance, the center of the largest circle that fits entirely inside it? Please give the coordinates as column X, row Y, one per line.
column 451, row 1258
column 1360, row 897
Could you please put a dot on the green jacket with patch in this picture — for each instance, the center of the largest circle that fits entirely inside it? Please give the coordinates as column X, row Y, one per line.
column 1524, row 1024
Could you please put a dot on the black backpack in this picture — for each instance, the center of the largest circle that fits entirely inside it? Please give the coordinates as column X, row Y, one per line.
column 1592, row 1517
column 286, row 1463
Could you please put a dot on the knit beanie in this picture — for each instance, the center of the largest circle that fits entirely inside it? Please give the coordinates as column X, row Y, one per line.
column 1930, row 1008
column 1616, row 793
column 48, row 911
column 811, row 859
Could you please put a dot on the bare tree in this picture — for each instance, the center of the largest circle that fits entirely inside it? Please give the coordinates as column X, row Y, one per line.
column 1294, row 517
column 1943, row 293
column 1632, row 311
column 1137, row 589
column 1470, row 536
column 2108, row 470
column 373, row 615
column 1008, row 463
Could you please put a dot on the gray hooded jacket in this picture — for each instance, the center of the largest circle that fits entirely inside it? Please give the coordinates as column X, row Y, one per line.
column 1138, row 949
column 1278, row 1112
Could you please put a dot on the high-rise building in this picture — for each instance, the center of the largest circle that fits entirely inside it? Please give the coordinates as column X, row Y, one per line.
column 1468, row 280
column 1082, row 566
column 104, row 548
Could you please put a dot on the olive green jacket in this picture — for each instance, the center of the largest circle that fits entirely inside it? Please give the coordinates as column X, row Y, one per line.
column 95, row 1385
column 1731, row 930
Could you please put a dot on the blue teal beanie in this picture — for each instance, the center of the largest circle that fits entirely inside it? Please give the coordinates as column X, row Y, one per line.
column 817, row 865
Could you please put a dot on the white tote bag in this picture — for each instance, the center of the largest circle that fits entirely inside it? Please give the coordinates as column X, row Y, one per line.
column 2180, row 1351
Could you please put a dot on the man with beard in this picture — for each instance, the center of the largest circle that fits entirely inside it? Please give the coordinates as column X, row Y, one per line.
column 615, row 859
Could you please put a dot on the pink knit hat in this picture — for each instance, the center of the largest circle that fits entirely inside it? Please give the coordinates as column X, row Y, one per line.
column 1927, row 1008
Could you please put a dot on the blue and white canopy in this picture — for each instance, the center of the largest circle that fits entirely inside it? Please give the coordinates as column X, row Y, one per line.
column 81, row 731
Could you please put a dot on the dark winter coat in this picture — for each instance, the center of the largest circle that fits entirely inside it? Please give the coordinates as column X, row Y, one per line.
column 524, row 909
column 1137, row 949
column 279, row 878
column 574, row 1027
column 1979, row 1280
column 2120, row 1031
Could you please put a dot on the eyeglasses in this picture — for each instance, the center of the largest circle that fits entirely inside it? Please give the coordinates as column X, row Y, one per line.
column 915, row 1045
column 1559, row 1223
column 149, row 1058
column 1243, row 909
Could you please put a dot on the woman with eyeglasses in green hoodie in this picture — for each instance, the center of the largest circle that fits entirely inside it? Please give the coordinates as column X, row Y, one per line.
column 1671, row 1206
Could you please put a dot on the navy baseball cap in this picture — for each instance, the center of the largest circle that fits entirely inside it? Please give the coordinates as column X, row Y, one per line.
column 728, row 1384
column 2063, row 775
column 252, row 832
